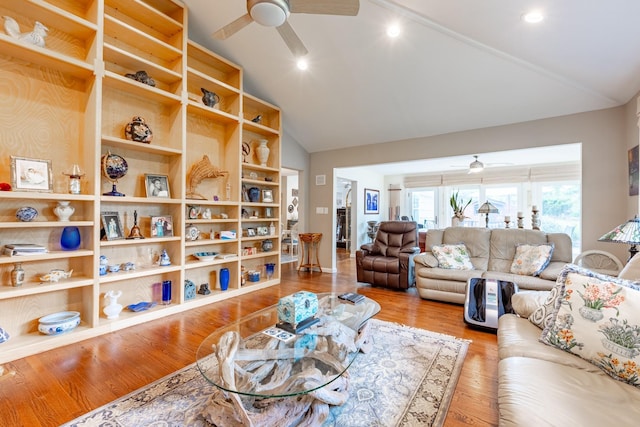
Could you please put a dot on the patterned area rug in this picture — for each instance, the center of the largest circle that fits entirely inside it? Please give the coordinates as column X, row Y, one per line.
column 407, row 379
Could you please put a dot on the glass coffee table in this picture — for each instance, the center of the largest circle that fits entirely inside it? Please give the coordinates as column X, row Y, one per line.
column 262, row 374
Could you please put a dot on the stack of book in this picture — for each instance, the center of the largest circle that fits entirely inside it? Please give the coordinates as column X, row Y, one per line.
column 14, row 249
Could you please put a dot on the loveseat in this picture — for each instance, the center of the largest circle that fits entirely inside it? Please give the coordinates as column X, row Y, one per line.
column 578, row 379
column 491, row 252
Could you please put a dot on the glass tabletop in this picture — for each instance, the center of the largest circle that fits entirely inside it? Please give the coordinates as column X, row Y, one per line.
column 254, row 358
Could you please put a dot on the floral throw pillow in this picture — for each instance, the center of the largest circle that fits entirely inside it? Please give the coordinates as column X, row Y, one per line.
column 453, row 257
column 530, row 260
column 598, row 319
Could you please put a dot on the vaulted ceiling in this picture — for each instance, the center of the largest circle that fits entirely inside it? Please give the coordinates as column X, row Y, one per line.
column 457, row 65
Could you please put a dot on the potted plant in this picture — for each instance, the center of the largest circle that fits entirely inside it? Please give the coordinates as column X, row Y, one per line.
column 458, row 205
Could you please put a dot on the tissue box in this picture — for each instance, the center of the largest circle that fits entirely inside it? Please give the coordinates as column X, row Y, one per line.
column 295, row 308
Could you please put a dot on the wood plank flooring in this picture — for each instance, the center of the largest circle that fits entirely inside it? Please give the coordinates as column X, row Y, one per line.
column 57, row 386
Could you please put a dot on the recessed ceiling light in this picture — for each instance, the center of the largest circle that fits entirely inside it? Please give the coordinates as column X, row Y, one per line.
column 393, row 30
column 533, row 17
column 302, row 64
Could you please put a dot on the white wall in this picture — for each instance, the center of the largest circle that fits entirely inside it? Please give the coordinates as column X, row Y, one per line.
column 606, row 136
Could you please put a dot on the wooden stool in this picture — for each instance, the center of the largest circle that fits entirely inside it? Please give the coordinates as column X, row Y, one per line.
column 309, row 245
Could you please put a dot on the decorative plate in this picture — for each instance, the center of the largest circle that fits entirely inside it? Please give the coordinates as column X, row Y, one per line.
column 205, row 256
column 192, row 232
column 26, row 214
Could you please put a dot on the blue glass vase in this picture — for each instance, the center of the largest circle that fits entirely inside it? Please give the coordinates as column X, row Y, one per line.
column 224, row 279
column 70, row 238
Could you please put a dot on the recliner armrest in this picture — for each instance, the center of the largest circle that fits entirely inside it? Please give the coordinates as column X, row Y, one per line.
column 367, row 247
column 413, row 250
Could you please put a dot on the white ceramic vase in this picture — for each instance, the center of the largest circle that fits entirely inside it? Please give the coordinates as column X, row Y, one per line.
column 112, row 309
column 64, row 210
column 263, row 152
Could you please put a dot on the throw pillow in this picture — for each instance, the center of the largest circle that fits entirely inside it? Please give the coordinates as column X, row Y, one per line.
column 526, row 302
column 530, row 260
column 599, row 320
column 452, row 257
column 631, row 271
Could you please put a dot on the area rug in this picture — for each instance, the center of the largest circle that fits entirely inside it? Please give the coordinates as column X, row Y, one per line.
column 407, row 379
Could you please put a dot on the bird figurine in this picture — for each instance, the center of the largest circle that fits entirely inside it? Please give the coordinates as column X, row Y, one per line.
column 35, row 37
column 257, row 119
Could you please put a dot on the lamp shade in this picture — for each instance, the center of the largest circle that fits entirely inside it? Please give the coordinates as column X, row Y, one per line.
column 476, row 166
column 629, row 233
column 487, row 208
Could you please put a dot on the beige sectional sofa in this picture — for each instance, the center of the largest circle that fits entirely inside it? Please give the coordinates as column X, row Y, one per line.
column 541, row 385
column 491, row 252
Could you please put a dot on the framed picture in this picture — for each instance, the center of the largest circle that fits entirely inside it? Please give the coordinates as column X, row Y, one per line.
column 633, row 171
column 251, row 232
column 371, row 201
column 157, row 185
column 193, row 211
column 31, row 174
column 263, row 231
column 268, row 212
column 112, row 225
column 267, row 196
column 161, row 226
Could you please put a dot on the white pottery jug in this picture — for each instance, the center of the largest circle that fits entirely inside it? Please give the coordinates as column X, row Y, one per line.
column 64, row 210
column 112, row 309
column 263, row 152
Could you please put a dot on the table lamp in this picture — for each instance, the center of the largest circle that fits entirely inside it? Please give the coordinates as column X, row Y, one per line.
column 628, row 233
column 487, row 208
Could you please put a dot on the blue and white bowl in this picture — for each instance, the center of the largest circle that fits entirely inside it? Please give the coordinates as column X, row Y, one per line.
column 4, row 335
column 59, row 323
column 26, row 213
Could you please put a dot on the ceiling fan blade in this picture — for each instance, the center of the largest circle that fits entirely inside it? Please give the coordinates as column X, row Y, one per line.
column 292, row 40
column 232, row 28
column 325, row 7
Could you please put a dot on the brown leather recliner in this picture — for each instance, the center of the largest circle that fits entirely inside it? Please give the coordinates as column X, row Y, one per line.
column 388, row 261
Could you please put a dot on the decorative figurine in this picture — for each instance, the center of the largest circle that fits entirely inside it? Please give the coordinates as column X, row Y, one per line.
column 199, row 171
column 112, row 309
column 189, row 290
column 142, row 77
column 206, row 214
column 210, row 99
column 137, row 130
column 55, row 275
column 135, row 230
column 104, row 261
column 246, row 151
column 164, row 258
column 204, row 289
column 257, row 119
column 17, row 274
column 35, row 37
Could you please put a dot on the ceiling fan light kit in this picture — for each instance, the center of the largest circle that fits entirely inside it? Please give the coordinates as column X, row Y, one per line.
column 476, row 166
column 270, row 14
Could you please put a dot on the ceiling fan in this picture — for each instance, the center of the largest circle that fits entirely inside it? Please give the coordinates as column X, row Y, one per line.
column 476, row 166
column 274, row 13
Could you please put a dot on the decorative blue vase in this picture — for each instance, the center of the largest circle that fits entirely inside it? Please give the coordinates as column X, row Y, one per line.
column 224, row 279
column 70, row 239
column 166, row 292
column 254, row 194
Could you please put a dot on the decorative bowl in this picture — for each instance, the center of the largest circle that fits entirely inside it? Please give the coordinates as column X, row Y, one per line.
column 26, row 214
column 205, row 256
column 59, row 323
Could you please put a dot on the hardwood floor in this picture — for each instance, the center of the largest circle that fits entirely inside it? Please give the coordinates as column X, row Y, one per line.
column 51, row 388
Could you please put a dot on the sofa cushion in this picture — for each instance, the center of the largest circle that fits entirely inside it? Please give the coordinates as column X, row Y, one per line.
column 631, row 271
column 598, row 319
column 504, row 243
column 475, row 239
column 534, row 392
column 426, row 259
column 517, row 337
column 526, row 302
column 524, row 282
column 453, row 257
column 530, row 260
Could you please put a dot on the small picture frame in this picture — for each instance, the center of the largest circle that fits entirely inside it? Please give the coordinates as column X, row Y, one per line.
column 112, row 225
column 157, row 185
column 161, row 226
column 31, row 174
column 263, row 231
column 193, row 211
column 371, row 201
column 267, row 196
column 268, row 212
column 251, row 232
